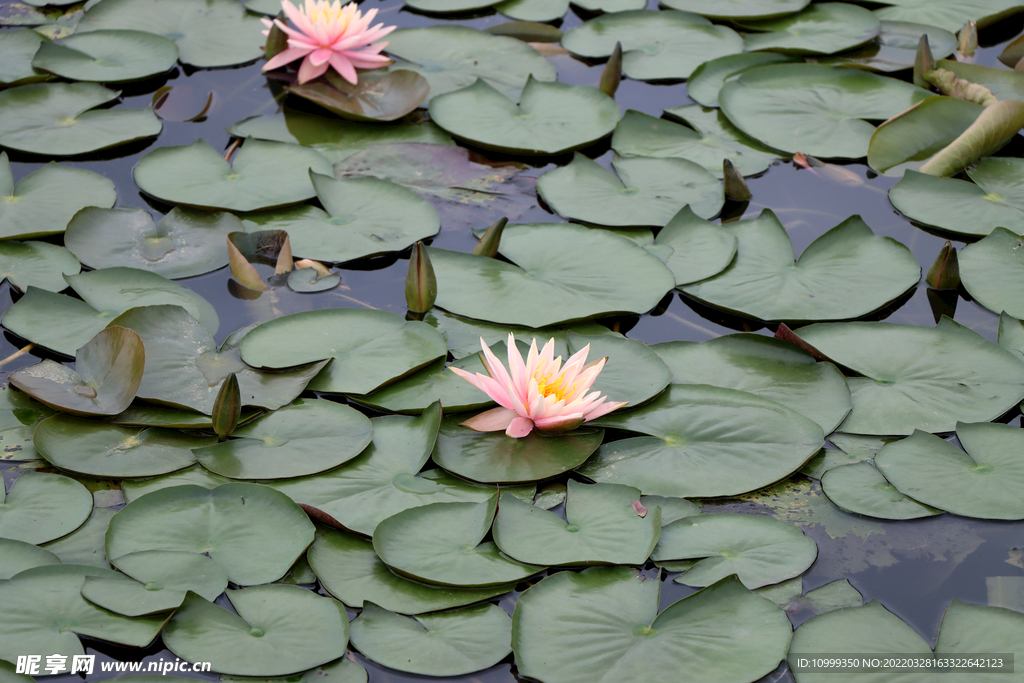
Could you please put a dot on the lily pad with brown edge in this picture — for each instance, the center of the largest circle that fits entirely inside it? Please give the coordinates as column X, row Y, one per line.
column 41, row 507
column 36, row 264
column 860, row 488
column 107, row 375
column 378, row 96
column 107, row 56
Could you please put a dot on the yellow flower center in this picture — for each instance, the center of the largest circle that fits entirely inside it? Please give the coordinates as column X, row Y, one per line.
column 549, row 386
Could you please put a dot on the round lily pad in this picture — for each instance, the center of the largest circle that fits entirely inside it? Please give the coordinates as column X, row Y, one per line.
column 655, row 45
column 84, row 545
column 612, row 615
column 948, row 14
column 551, row 118
column 17, row 556
column 44, row 201
column 700, row 249
column 534, row 10
column 442, row 543
column 107, row 56
column 739, row 9
column 377, row 96
column 450, row 643
column 36, row 264
column 350, row 570
column 983, row 480
column 306, row 437
column 846, row 273
column 919, row 377
column 992, row 271
column 60, row 119
column 274, row 631
column 602, row 528
column 707, row 80
column 41, row 507
column 252, row 531
column 17, row 47
column 702, row 445
column 861, row 489
column 185, row 243
column 262, row 175
column 821, row 28
column 633, row 373
column 196, row 475
column 309, row 280
column 446, row 6
column 368, row 348
column 364, row 217
column 895, row 47
column 814, row 109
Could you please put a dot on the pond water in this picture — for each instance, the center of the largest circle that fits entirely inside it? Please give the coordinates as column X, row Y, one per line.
column 914, row 567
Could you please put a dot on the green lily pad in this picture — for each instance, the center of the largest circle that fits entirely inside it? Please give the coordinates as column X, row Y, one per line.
column 832, row 596
column 700, row 249
column 632, row 280
column 369, row 348
column 495, row 458
column 17, row 47
column 533, row 10
column 919, row 377
column 602, row 528
column 895, row 47
column 252, row 531
column 821, row 28
column 612, row 614
column 992, row 270
column 846, row 273
column 17, row 556
column 910, row 139
column 44, row 613
column 550, row 496
column 150, row 415
column 109, row 371
column 84, row 545
column 445, row 6
column 350, row 570
column 671, row 508
column 107, row 56
column 99, row 449
column 162, row 578
column 1004, row 84
column 982, row 481
column 60, row 119
column 44, row 201
column 364, row 217
column 949, row 14
column 262, row 175
column 185, row 243
column 861, row 489
column 306, row 437
column 814, row 109
column 453, row 57
column 41, row 507
column 707, row 79
column 647, row 192
column 442, row 543
column 378, row 96
column 309, row 280
column 768, row 367
column 450, row 643
column 551, row 118
column 655, row 45
column 209, row 33
column 700, row 444
column 634, row 373
column 196, row 475
column 759, row 550
column 1011, row 335
column 275, row 630
column 740, row 9
column 19, row 415
column 36, row 264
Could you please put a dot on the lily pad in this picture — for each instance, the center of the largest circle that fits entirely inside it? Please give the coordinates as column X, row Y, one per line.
column 209, row 33
column 551, row 118
column 36, row 264
column 107, row 56
column 910, row 139
column 45, row 200
column 533, row 10
column 707, row 79
column 846, row 273
column 19, row 415
column 378, row 96
column 17, row 47
column 919, row 377
column 949, row 14
column 446, row 6
column 655, row 45
column 992, row 271
column 814, row 109
column 450, row 643
column 84, row 545
column 700, row 249
column 700, row 444
column 369, row 348
column 861, row 489
column 60, row 119
column 602, row 528
column 1011, row 334
column 274, row 630
column 17, row 556
column 612, row 615
column 196, row 475
column 364, row 217
column 647, row 192
column 984, row 480
column 150, row 415
column 41, row 507
column 185, row 243
column 821, row 28
column 252, row 531
column 1004, row 84
column 740, row 9
column 306, row 437
column 759, row 550
column 634, row 373
column 309, row 280
column 895, row 47
column 263, row 175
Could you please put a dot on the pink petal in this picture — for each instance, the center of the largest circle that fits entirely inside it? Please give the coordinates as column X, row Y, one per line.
column 485, row 384
column 493, row 420
column 520, row 427
column 605, row 408
column 283, row 57
column 493, row 366
column 320, row 56
column 561, row 423
column 367, row 62
column 344, row 66
column 308, row 70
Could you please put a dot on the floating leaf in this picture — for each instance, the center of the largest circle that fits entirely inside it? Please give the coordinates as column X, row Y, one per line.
column 821, row 28
column 992, row 270
column 895, row 47
column 107, row 56
column 41, row 507
column 378, row 96
column 17, row 47
column 36, row 264
column 740, row 9
column 949, row 14
column 861, row 489
column 700, row 249
column 707, row 79
column 910, row 138
column 995, row 126
column 634, row 373
column 84, row 545
column 18, row 556
column 311, row 280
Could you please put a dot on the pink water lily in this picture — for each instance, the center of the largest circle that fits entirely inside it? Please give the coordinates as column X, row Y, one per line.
column 538, row 393
column 327, row 35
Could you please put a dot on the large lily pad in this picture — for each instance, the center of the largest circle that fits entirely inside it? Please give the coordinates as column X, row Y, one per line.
column 1011, row 334
column 603, row 625
column 107, row 56
column 739, row 9
column 36, row 264
column 633, row 373
column 860, row 488
column 895, row 47
column 17, row 47
column 44, row 201
column 914, row 136
column 708, row 78
column 196, row 475
column 700, row 444
column 446, row 6
column 700, row 249
column 822, row 28
column 919, row 377
column 252, row 531
column 41, row 507
column 992, row 271
column 84, row 545
column 647, row 192
column 19, row 415
column 655, row 45
column 275, row 630
column 60, row 119
column 377, row 96
column 17, row 556
column 1004, row 84
column 846, row 273
column 948, row 14
column 369, row 348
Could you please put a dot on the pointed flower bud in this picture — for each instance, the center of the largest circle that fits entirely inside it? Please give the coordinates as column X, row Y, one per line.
column 227, row 408
column 945, row 271
column 420, row 283
column 488, row 244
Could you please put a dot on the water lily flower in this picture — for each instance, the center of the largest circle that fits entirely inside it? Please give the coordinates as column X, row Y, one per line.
column 329, row 35
column 539, row 392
